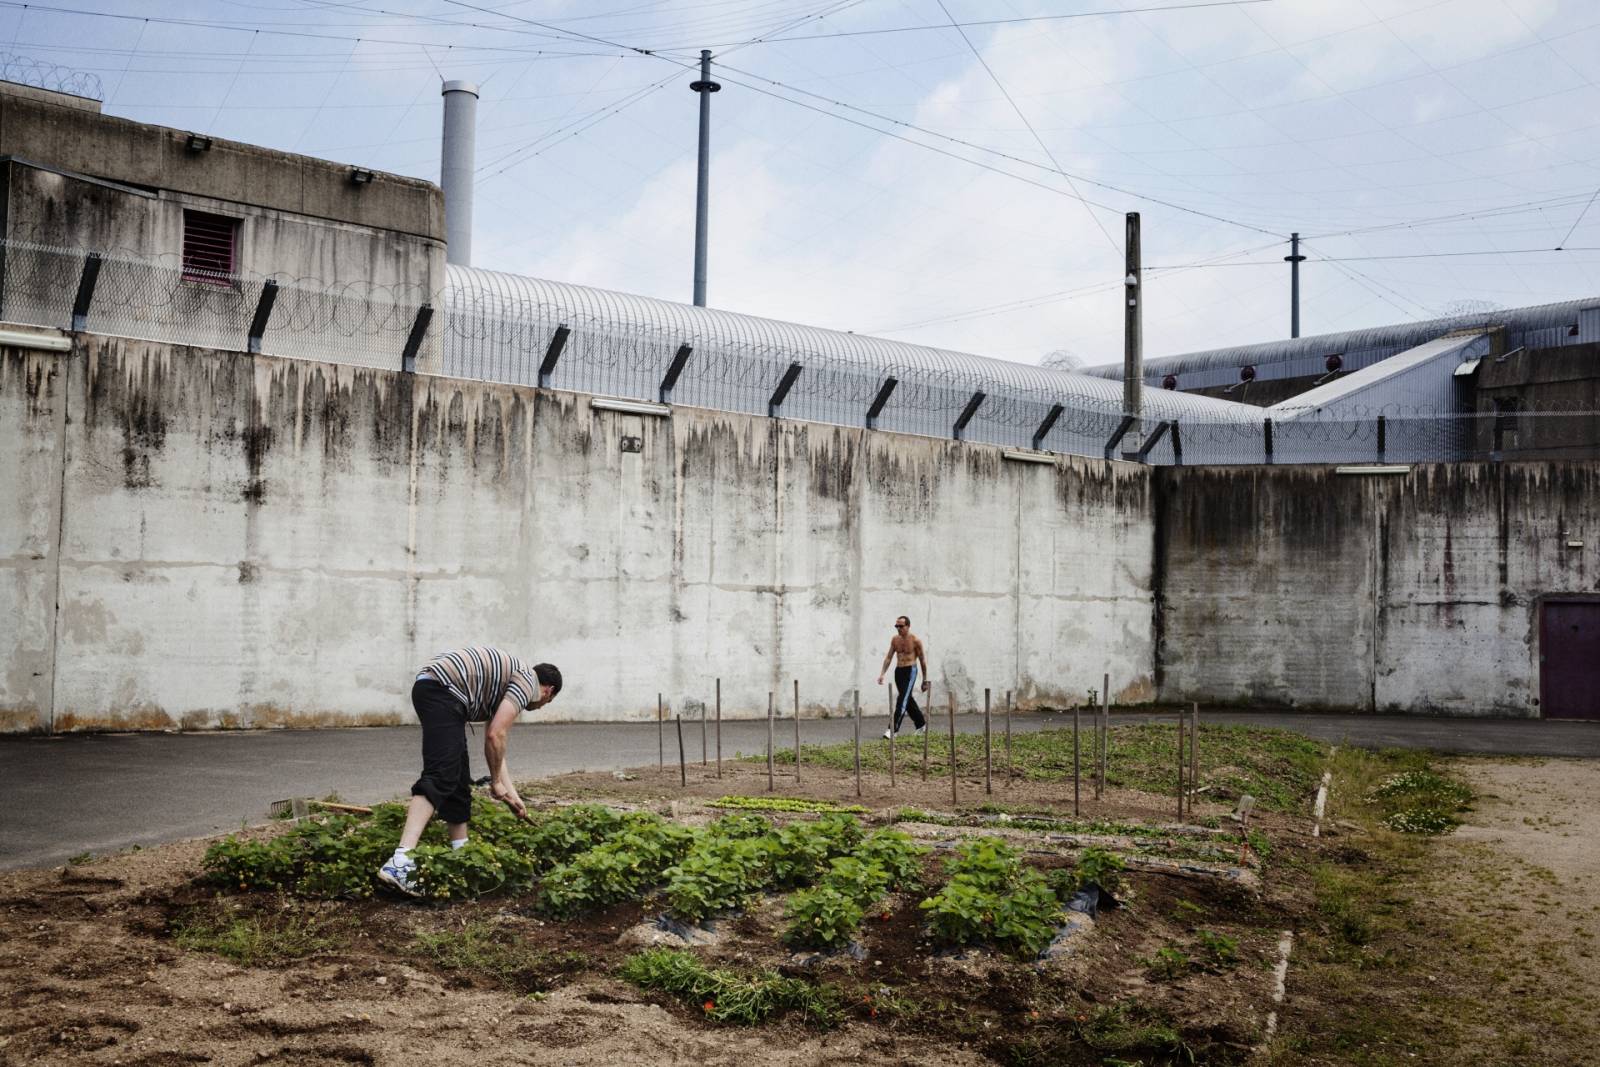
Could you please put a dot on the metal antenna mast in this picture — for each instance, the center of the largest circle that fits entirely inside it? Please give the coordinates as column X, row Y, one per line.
column 705, row 87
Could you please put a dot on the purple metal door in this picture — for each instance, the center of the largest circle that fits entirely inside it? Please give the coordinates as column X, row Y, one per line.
column 1569, row 659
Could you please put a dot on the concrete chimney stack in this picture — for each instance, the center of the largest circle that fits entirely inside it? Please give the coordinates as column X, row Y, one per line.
column 456, row 166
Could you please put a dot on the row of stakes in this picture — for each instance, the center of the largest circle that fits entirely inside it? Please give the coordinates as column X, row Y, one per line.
column 1188, row 724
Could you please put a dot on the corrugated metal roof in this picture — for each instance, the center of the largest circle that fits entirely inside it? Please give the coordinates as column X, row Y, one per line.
column 1538, row 326
column 498, row 326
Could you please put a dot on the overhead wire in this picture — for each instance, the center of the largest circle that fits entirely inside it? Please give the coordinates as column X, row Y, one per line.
column 1112, row 241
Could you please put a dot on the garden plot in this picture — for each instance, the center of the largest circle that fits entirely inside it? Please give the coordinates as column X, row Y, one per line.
column 878, row 936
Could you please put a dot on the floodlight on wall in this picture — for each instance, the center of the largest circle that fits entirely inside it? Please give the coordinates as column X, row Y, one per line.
column 55, row 341
column 629, row 407
column 197, row 143
column 1169, row 382
column 360, row 176
column 1019, row 456
column 1375, row 468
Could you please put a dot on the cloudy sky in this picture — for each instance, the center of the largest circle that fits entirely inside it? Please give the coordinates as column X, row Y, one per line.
column 948, row 172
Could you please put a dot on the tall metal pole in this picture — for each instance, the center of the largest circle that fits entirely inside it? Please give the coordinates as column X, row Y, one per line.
column 457, row 154
column 705, row 87
column 1133, row 339
column 1294, row 259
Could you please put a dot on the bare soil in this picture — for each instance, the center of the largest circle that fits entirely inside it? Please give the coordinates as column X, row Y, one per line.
column 1482, row 944
column 93, row 974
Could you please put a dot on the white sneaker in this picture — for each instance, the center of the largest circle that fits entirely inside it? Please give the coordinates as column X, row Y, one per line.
column 888, row 734
column 399, row 877
column 921, row 730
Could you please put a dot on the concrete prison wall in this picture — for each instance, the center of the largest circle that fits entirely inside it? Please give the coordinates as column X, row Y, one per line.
column 199, row 539
column 1410, row 592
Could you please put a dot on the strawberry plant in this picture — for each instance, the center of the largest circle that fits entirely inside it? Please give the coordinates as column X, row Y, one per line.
column 622, row 866
column 990, row 897
column 828, row 915
column 719, row 873
column 803, row 849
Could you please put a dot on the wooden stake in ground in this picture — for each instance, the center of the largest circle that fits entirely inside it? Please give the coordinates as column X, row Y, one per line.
column 1194, row 757
column 1105, row 730
column 683, row 769
column 703, row 753
column 1182, row 718
column 797, row 731
column 1094, row 745
column 857, row 703
column 661, row 736
column 891, row 736
column 988, row 761
column 927, row 733
column 1077, row 764
column 719, row 727
column 770, row 787
column 954, row 798
column 1010, row 769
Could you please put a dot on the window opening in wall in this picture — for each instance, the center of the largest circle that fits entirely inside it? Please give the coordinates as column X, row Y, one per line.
column 1505, row 422
column 210, row 245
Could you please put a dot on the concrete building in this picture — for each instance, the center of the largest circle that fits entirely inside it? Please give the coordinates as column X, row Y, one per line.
column 203, row 533
column 188, row 228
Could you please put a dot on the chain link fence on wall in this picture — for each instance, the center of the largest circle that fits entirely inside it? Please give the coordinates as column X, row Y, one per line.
column 607, row 347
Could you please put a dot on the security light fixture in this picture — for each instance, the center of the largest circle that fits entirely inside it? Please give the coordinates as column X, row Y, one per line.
column 1247, row 374
column 1169, row 382
column 360, row 176
column 197, row 143
column 1374, row 468
column 629, row 407
column 1017, row 455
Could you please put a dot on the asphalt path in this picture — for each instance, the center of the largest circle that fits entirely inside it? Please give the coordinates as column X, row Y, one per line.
column 97, row 793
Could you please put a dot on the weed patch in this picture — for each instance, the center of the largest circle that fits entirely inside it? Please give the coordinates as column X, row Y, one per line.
column 726, row 996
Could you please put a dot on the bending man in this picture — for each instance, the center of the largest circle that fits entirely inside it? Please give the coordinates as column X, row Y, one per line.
column 905, row 649
column 451, row 690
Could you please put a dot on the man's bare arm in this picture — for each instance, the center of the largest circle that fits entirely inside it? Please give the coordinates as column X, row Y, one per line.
column 887, row 657
column 922, row 658
column 495, row 741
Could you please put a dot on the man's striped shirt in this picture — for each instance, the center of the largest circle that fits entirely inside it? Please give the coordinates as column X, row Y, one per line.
column 481, row 677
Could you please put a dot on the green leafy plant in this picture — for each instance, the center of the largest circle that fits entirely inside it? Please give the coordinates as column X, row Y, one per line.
column 621, row 867
column 718, row 874
column 1220, row 949
column 829, row 915
column 1168, row 963
column 802, row 850
column 726, row 996
column 990, row 897
column 1095, row 866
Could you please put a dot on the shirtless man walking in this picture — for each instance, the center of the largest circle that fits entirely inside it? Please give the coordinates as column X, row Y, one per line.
column 905, row 649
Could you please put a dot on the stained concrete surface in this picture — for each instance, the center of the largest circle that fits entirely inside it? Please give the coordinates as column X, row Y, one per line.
column 65, row 795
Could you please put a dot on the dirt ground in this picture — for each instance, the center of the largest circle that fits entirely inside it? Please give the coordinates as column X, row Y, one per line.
column 92, row 973
column 1476, row 947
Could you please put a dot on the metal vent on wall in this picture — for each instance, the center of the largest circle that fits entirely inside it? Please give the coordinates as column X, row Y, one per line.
column 209, row 245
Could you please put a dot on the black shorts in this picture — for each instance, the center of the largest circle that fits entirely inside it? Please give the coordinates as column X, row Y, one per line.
column 446, row 775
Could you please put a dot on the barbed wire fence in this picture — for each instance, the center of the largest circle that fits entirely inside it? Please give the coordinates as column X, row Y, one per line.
column 23, row 70
column 612, row 351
